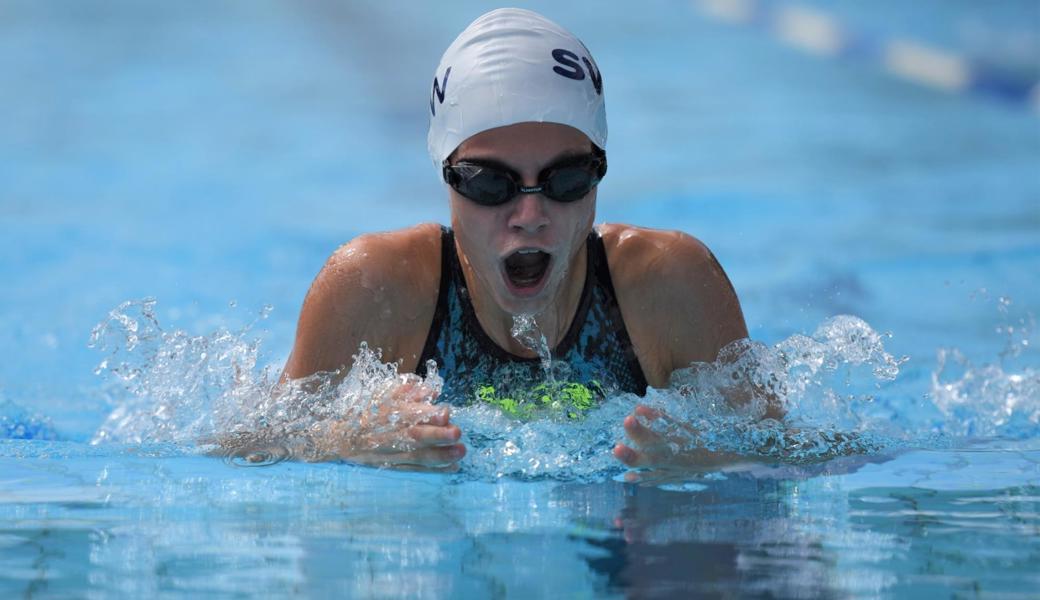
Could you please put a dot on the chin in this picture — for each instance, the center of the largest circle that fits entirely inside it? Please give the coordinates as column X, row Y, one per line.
column 521, row 305
column 532, row 301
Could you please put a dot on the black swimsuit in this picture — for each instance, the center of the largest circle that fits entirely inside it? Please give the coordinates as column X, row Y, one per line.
column 596, row 351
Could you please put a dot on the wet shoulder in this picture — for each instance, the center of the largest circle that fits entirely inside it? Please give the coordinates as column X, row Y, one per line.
column 652, row 258
column 672, row 294
column 380, row 288
column 400, row 258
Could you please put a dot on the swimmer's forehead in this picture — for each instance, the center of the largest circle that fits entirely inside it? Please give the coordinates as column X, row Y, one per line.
column 541, row 143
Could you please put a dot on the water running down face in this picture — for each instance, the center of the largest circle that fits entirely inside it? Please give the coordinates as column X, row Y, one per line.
column 523, row 253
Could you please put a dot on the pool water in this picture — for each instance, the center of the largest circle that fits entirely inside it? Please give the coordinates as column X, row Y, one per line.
column 211, row 157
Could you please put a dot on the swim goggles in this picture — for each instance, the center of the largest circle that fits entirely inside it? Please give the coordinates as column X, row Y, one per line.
column 490, row 183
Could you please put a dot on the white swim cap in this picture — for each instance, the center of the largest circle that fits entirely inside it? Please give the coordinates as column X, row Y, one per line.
column 512, row 66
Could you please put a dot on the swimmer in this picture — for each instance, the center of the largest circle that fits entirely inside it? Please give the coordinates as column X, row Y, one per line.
column 518, row 134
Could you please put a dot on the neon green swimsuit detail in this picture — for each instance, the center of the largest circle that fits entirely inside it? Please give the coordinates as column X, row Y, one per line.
column 550, row 399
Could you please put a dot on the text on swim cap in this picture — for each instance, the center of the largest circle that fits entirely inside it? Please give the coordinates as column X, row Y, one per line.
column 574, row 71
column 438, row 91
column 570, row 69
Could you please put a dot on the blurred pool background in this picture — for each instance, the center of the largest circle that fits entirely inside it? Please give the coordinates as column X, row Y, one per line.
column 203, row 153
column 214, row 153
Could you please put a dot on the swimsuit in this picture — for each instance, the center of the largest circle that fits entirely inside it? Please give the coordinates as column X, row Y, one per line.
column 595, row 356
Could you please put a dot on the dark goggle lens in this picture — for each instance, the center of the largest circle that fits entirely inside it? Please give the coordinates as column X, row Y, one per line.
column 569, row 184
column 491, row 186
column 483, row 185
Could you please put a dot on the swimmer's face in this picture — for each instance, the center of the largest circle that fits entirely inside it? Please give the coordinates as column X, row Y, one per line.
column 522, row 252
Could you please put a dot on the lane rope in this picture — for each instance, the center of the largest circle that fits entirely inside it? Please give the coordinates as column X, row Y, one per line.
column 815, row 32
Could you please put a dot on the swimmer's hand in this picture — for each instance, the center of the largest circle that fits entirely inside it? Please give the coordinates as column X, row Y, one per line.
column 652, row 450
column 408, row 432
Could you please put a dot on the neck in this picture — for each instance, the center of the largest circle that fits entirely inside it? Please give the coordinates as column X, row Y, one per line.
column 553, row 322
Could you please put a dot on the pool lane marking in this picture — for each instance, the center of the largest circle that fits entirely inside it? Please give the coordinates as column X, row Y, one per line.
column 927, row 66
column 809, row 30
column 737, row 12
column 816, row 32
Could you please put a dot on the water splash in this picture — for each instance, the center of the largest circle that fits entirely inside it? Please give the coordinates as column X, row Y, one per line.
column 185, row 389
column 709, row 407
column 985, row 401
column 175, row 387
column 999, row 399
column 312, row 418
column 526, row 331
column 821, row 384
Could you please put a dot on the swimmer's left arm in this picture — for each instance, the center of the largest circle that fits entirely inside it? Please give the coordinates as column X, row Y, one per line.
column 677, row 302
column 705, row 317
column 704, row 312
column 693, row 313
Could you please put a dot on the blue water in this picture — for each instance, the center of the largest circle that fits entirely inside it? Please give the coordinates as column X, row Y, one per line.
column 212, row 155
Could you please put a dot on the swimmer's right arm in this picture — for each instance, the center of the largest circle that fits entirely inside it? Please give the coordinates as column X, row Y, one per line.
column 426, row 439
column 349, row 302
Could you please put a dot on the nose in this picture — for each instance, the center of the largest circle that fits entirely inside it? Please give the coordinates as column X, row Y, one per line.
column 529, row 213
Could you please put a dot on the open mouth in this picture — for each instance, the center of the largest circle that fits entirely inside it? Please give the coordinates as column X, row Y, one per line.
column 525, row 268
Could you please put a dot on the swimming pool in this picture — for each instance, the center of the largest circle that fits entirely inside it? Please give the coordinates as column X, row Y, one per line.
column 211, row 157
